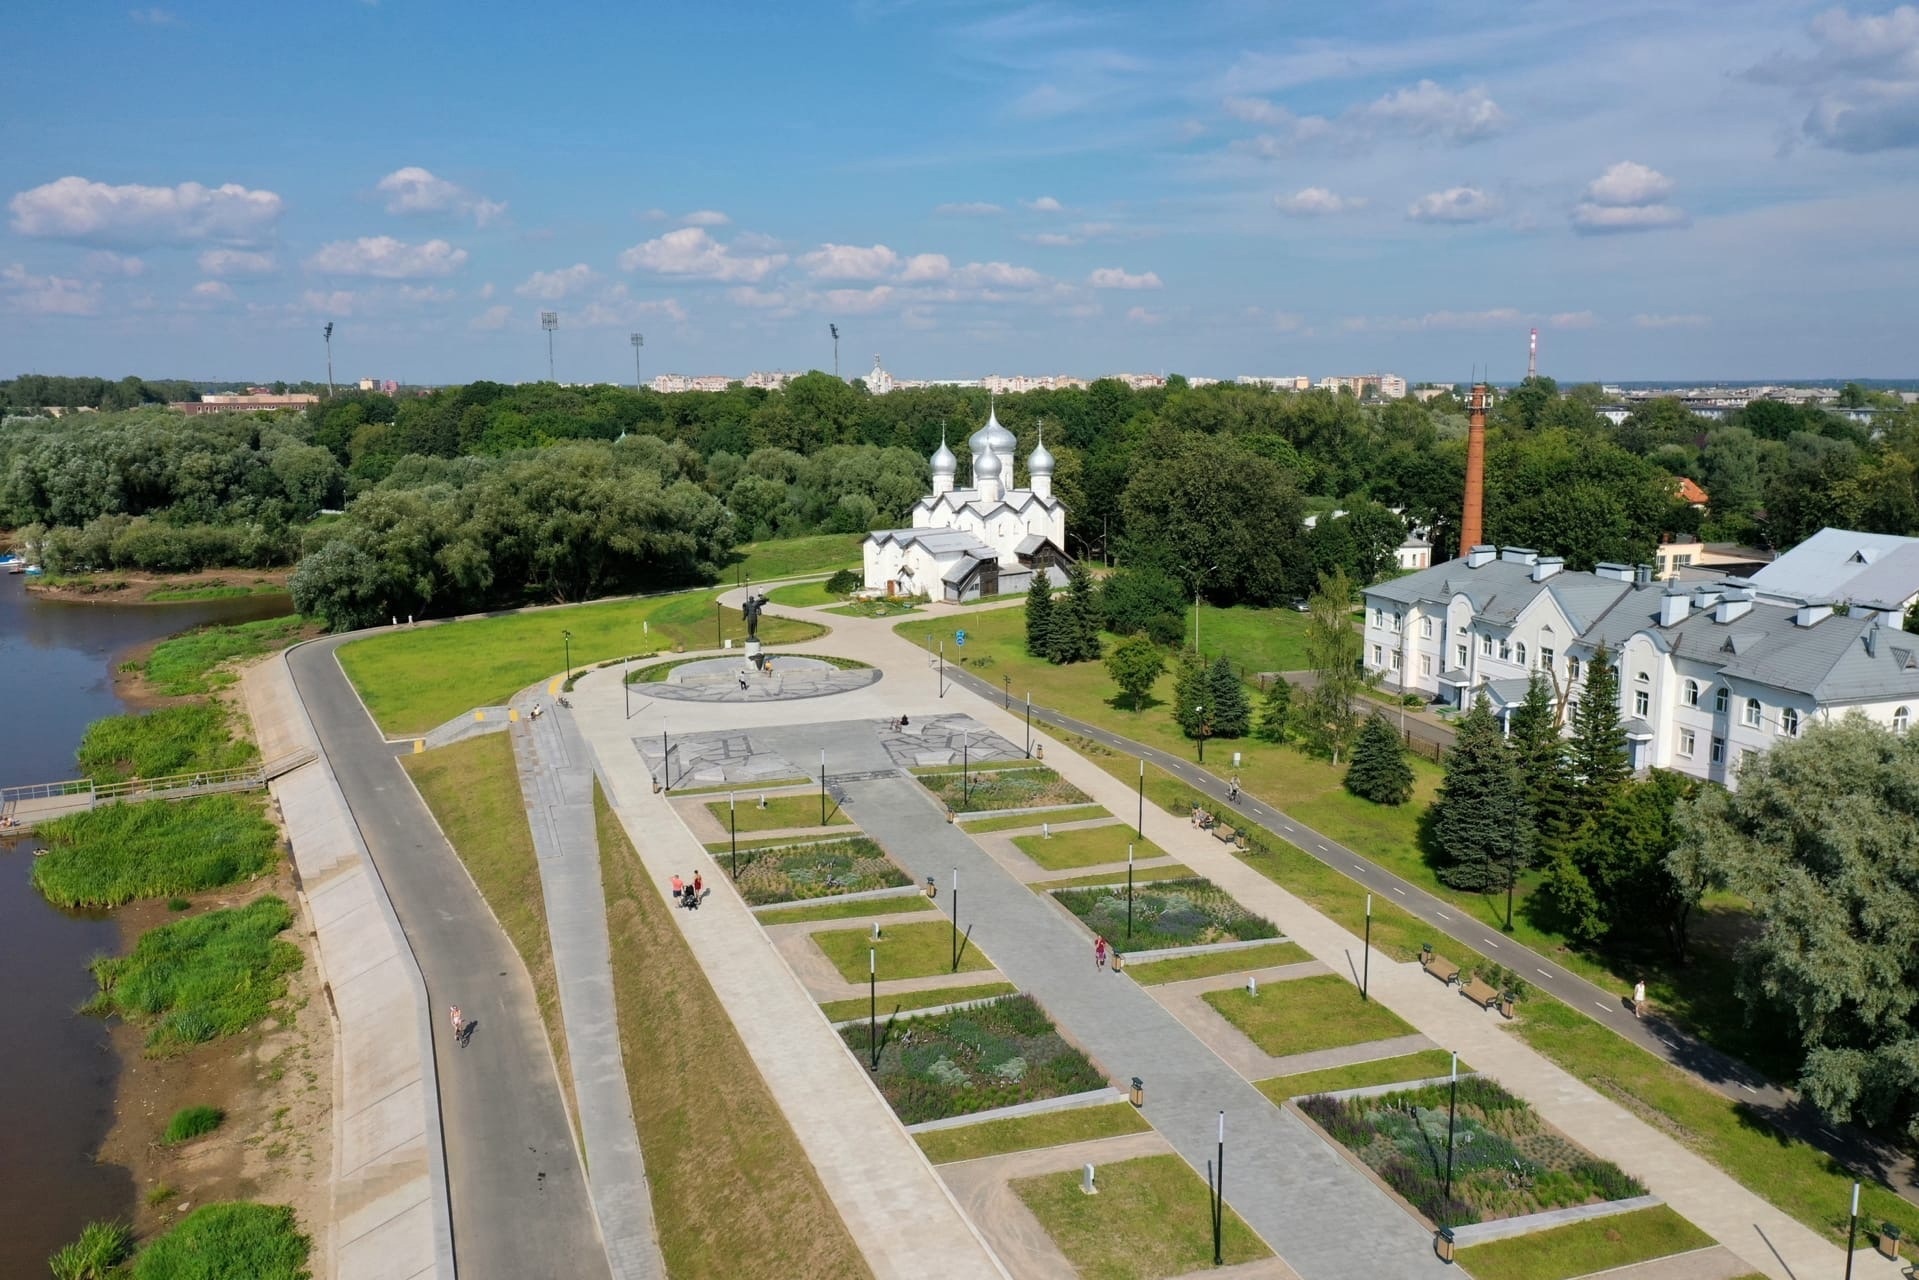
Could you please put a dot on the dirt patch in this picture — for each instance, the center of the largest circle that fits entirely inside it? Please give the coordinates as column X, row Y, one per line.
column 131, row 586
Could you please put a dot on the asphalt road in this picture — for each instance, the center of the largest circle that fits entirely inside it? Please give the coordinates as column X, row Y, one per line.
column 517, row 1189
column 1779, row 1107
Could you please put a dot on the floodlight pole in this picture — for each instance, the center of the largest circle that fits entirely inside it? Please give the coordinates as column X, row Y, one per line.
column 1219, row 1190
column 549, row 321
column 733, row 834
column 836, row 349
column 955, row 919
column 326, row 335
column 872, row 1008
column 638, row 340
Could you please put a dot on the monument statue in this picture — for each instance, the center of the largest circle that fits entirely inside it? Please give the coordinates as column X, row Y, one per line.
column 751, row 607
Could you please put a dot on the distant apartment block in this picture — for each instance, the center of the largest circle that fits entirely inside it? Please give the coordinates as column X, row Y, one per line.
column 1291, row 382
column 251, row 402
column 672, row 383
column 1382, row 386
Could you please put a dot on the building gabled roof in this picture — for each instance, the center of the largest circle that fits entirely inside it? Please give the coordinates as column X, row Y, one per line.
column 1875, row 569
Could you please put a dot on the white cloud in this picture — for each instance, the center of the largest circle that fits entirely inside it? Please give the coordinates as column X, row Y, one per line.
column 415, row 190
column 1492, row 318
column 747, row 295
column 968, row 209
column 551, row 286
column 1572, row 320
column 1629, row 182
column 1627, row 197
column 858, row 301
column 1002, row 275
column 1044, row 204
column 1119, row 278
column 1256, row 111
column 1671, row 321
column 706, row 218
column 926, row 266
column 137, row 216
column 494, row 317
column 387, row 258
column 154, row 17
column 213, row 291
column 48, row 295
column 1599, row 219
column 689, row 251
column 1314, row 202
column 1140, row 315
column 1054, row 239
column 105, row 262
column 616, row 308
column 1427, row 110
column 1860, row 78
column 335, row 302
column 1455, row 204
column 849, row 262
column 236, row 262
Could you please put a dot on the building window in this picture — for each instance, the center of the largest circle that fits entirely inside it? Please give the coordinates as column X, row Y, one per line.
column 1900, row 720
column 1486, row 646
column 1686, row 743
column 1519, row 653
column 1425, row 664
column 1721, row 699
column 1397, row 619
column 1746, row 756
column 1572, row 669
column 1641, row 702
column 1719, row 751
column 1395, row 660
column 1789, row 722
column 1425, row 628
column 1752, row 714
column 1379, row 617
column 1546, row 659
column 1505, row 650
column 1378, row 655
column 1692, row 693
column 1459, row 657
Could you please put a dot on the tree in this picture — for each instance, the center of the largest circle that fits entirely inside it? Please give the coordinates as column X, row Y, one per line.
column 1083, row 605
column 1143, row 599
column 1613, row 881
column 1332, row 651
column 1539, row 752
column 1135, row 665
column 1596, row 756
column 1481, row 821
column 1205, row 500
column 1823, row 838
column 1229, row 709
column 1275, row 712
column 1192, row 697
column 1039, row 616
column 1379, row 771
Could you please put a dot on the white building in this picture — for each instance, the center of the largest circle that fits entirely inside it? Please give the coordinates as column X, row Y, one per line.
column 982, row 541
column 1709, row 675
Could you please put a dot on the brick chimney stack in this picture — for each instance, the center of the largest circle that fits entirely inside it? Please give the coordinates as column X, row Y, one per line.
column 1471, row 518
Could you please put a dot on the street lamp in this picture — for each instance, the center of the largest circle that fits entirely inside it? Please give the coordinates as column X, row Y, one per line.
column 638, row 340
column 1200, row 711
column 1452, row 1111
column 1006, row 697
column 549, row 321
column 1852, row 1232
column 1366, row 961
column 1512, row 851
column 1197, row 579
column 566, row 638
column 733, row 834
column 1216, row 1175
column 1029, row 724
column 1129, row 893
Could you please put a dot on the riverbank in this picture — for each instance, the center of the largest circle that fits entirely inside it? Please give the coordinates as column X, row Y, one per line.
column 134, row 586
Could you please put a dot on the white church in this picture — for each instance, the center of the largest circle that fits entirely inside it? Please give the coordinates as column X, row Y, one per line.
column 986, row 540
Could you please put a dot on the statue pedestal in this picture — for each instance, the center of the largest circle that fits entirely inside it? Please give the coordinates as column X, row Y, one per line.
column 753, row 654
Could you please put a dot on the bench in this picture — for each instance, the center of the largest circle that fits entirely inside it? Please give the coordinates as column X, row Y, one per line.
column 1224, row 833
column 1480, row 993
column 1440, row 967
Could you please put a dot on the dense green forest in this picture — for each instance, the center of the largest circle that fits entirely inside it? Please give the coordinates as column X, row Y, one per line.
column 485, row 494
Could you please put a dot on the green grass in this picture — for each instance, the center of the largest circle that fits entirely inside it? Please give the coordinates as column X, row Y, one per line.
column 229, row 1242
column 902, row 905
column 1141, row 875
column 1796, row 1177
column 1209, row 964
column 734, row 1195
column 159, row 1194
column 189, row 1123
column 906, row 1001
column 1170, row 913
column 1029, row 1133
column 414, row 680
column 1003, row 1053
column 790, row 557
column 1008, row 786
column 781, row 813
column 976, row 766
column 1086, row 847
column 1305, row 1015
column 775, row 842
column 804, row 595
column 154, row 849
column 1581, row 1248
column 1150, row 1219
column 197, row 661
column 821, row 869
column 215, row 589
column 201, row 978
column 905, row 951
column 193, row 737
column 1427, row 1064
column 1020, row 821
column 874, row 609
column 96, row 1255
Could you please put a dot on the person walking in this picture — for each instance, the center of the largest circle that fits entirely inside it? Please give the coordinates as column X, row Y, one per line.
column 698, row 886
column 459, row 1022
column 1099, row 951
column 1639, row 998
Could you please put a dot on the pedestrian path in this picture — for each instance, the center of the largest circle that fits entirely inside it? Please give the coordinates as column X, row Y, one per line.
column 556, row 781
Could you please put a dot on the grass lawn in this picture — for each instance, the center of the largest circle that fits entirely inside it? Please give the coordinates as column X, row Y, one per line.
column 780, row 813
column 820, row 869
column 902, row 905
column 1020, row 821
column 964, row 1061
column 905, row 951
column 1581, row 1248
column 196, row 662
column 414, row 680
column 788, row 557
column 1427, row 1064
column 1086, row 847
column 1167, row 913
column 734, row 1194
column 1009, row 785
column 201, row 978
column 1029, row 1133
column 1141, row 875
column 875, row 609
column 1152, row 973
column 259, row 1241
column 774, row 842
column 1150, row 1219
column 906, row 1001
column 215, row 590
column 1306, row 1014
column 154, row 849
column 804, row 595
column 191, row 737
column 473, row 789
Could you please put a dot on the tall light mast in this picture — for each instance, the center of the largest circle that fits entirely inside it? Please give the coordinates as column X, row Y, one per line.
column 1532, row 356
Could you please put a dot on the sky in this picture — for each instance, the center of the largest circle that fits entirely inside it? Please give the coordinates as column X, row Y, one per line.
column 1214, row 187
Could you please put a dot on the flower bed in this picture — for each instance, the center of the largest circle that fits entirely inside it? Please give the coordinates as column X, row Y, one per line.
column 1167, row 913
column 1507, row 1162
column 796, row 872
column 991, row 1055
column 998, row 787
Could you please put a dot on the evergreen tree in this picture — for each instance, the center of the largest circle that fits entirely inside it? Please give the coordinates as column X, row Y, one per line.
column 1481, row 820
column 1596, row 756
column 1192, row 697
column 1540, row 753
column 1275, row 712
column 1379, row 771
column 1039, row 614
column 1333, row 647
column 1084, row 599
column 1232, row 711
column 1062, row 631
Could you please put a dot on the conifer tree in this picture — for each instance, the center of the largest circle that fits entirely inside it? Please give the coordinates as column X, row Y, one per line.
column 1232, row 711
column 1275, row 712
column 1192, row 697
column 1540, row 754
column 1596, row 756
column 1039, row 614
column 1481, row 819
column 1379, row 771
column 1062, row 631
column 1084, row 598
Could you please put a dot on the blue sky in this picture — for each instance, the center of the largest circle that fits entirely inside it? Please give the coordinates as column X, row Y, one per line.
column 1217, row 188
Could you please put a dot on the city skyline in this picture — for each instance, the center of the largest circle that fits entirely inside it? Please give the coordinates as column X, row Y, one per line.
column 965, row 189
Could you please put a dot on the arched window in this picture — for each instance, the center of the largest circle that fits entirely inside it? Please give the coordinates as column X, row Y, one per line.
column 1692, row 693
column 1519, row 653
column 1901, row 720
column 1642, row 696
column 1721, row 698
column 1753, row 713
column 1789, row 722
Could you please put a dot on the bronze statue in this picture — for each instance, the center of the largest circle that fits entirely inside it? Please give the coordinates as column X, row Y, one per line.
column 750, row 608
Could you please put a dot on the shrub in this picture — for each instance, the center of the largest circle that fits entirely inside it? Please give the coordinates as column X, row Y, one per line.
column 96, row 1255
column 818, row 870
column 189, row 1123
column 844, row 583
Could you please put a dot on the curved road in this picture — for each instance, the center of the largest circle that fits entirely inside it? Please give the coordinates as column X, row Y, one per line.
column 516, row 1186
column 1779, row 1107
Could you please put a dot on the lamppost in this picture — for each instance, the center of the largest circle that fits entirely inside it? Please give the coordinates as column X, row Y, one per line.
column 1197, row 579
column 966, row 770
column 1139, row 822
column 1029, row 724
column 1129, row 893
column 1852, row 1232
column 942, row 667
column 666, row 764
column 1216, row 1175
column 1452, row 1111
column 1200, row 711
column 1006, row 695
column 638, row 340
column 822, row 786
column 1512, row 851
column 955, row 919
column 566, row 638
column 733, row 834
column 1366, row 956
column 872, row 1008
column 719, row 624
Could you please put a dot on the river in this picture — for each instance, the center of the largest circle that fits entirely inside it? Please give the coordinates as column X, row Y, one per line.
column 58, row 1069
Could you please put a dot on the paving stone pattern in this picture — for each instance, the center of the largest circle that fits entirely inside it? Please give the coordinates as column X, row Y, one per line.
column 736, row 680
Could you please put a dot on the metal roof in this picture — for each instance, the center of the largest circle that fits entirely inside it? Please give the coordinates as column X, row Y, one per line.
column 1844, row 564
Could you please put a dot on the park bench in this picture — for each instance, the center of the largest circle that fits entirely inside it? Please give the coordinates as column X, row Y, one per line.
column 1480, row 993
column 1440, row 967
column 1224, row 833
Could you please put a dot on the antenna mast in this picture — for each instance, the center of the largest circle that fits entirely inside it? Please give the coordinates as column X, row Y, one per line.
column 1532, row 356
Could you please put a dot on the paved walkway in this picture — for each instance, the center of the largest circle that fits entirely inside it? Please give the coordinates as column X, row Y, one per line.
column 556, row 780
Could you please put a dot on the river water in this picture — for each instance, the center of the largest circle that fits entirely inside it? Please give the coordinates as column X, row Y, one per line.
column 58, row 1069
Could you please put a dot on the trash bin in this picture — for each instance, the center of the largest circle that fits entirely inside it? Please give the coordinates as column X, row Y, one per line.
column 1443, row 1244
column 1139, row 1092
